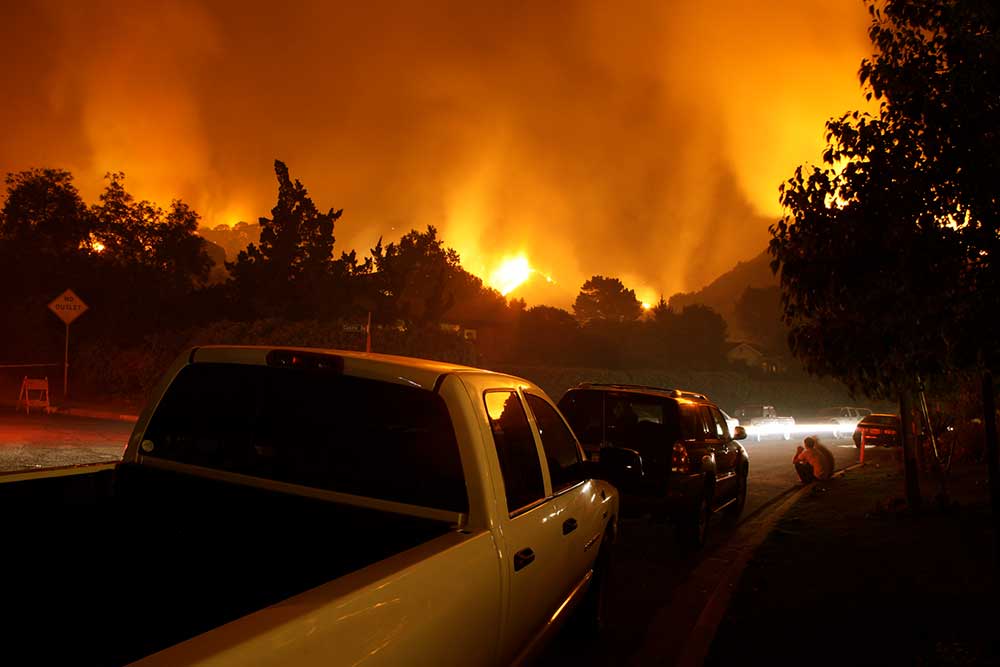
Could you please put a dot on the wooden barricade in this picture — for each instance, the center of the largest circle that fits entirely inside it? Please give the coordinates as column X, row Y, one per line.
column 34, row 394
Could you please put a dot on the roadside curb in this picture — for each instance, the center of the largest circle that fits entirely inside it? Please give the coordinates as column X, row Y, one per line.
column 702, row 602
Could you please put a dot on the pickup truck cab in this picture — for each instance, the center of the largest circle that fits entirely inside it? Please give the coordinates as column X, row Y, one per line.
column 763, row 420
column 314, row 507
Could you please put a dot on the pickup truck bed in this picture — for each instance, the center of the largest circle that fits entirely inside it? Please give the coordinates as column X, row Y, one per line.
column 103, row 583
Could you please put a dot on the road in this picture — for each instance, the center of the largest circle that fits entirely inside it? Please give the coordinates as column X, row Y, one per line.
column 650, row 568
column 47, row 441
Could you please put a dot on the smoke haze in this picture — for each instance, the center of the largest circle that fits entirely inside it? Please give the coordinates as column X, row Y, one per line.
column 639, row 140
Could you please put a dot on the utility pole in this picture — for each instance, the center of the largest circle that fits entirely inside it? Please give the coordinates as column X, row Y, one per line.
column 910, row 472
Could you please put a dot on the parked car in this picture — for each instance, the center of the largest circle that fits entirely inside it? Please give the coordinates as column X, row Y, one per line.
column 763, row 420
column 305, row 507
column 843, row 419
column 690, row 465
column 878, row 430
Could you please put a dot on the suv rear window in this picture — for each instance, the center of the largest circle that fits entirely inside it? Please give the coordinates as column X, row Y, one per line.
column 584, row 410
column 317, row 429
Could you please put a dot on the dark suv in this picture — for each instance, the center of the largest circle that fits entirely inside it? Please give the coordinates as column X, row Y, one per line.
column 684, row 462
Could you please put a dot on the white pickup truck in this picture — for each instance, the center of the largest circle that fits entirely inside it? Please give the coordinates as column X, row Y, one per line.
column 762, row 420
column 308, row 507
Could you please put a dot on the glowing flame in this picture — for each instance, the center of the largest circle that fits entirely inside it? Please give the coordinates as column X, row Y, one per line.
column 511, row 273
column 97, row 246
column 646, row 305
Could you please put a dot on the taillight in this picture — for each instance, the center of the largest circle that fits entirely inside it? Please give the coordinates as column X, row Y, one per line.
column 679, row 461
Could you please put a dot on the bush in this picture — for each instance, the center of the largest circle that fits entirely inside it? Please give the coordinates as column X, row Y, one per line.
column 104, row 370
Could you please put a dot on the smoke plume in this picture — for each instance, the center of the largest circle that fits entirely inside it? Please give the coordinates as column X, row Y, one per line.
column 640, row 140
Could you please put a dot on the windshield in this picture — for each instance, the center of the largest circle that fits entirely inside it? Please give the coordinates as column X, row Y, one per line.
column 317, row 429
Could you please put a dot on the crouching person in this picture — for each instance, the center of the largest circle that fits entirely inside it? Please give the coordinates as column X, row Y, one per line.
column 814, row 461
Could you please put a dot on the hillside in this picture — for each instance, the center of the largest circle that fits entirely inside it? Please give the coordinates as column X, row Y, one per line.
column 722, row 294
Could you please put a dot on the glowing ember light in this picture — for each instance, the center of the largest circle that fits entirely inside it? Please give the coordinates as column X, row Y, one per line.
column 97, row 246
column 646, row 305
column 511, row 273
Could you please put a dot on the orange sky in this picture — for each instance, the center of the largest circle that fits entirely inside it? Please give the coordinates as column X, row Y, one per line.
column 639, row 140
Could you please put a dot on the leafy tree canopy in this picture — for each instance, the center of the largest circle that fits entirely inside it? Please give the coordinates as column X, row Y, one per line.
column 881, row 251
column 758, row 312
column 43, row 212
column 606, row 299
column 288, row 272
column 141, row 234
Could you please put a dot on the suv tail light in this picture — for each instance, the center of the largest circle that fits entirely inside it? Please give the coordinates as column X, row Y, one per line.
column 679, row 461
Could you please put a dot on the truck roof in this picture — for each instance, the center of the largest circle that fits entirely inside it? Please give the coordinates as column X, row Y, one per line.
column 421, row 373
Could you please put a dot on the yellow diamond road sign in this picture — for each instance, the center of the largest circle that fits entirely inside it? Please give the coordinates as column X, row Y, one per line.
column 67, row 306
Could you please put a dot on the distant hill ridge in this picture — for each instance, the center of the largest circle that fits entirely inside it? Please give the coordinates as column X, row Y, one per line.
column 722, row 293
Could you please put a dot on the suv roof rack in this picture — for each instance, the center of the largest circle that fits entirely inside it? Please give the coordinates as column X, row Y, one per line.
column 676, row 393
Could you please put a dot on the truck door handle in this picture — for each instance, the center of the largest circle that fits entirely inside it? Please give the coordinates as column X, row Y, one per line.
column 569, row 525
column 523, row 558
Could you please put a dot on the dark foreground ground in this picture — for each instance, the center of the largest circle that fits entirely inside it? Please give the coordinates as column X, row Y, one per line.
column 850, row 576
column 657, row 588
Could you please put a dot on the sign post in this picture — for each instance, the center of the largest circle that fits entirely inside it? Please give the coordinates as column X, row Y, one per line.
column 67, row 307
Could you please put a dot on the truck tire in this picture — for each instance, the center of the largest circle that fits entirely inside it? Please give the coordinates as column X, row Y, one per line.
column 692, row 529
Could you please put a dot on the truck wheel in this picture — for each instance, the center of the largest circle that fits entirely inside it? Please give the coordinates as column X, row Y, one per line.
column 592, row 616
column 693, row 528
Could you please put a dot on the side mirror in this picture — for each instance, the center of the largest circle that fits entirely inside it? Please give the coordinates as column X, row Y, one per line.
column 620, row 466
column 740, row 434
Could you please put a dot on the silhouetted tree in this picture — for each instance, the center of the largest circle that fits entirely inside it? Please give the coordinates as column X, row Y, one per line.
column 415, row 277
column 43, row 213
column 548, row 335
column 700, row 334
column 937, row 75
column 606, row 299
column 886, row 254
column 758, row 312
column 291, row 271
column 139, row 235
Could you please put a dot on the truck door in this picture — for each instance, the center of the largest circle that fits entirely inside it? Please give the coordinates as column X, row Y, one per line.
column 529, row 525
column 581, row 517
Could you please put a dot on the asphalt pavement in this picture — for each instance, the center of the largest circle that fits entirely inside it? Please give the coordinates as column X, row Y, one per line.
column 771, row 470
column 657, row 586
column 36, row 441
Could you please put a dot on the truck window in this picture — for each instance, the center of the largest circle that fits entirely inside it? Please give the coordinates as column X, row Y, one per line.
column 561, row 452
column 317, row 429
column 519, row 463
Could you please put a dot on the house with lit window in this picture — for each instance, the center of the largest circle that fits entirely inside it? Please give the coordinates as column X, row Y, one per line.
column 754, row 357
